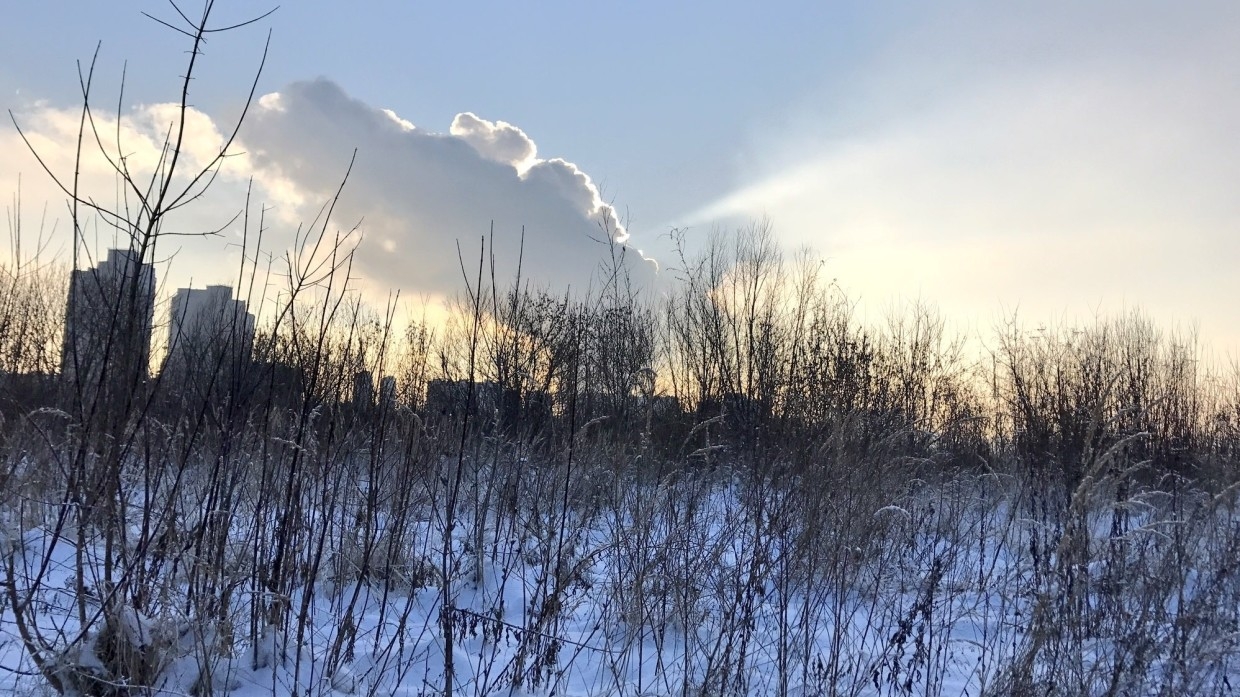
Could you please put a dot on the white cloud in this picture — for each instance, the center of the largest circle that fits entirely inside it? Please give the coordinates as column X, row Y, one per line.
column 405, row 125
column 419, row 192
column 497, row 141
column 270, row 102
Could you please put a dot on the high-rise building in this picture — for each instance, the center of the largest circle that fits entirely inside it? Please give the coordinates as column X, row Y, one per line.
column 387, row 391
column 363, row 389
column 209, row 334
column 108, row 323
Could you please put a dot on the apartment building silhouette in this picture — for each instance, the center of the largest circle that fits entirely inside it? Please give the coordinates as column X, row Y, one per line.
column 108, row 322
column 210, row 337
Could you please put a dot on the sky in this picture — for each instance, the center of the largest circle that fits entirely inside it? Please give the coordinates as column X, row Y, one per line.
column 1056, row 160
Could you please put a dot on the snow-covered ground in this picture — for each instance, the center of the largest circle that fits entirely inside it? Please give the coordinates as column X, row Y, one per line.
column 692, row 585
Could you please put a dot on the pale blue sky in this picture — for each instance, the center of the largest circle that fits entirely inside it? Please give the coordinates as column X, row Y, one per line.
column 1063, row 157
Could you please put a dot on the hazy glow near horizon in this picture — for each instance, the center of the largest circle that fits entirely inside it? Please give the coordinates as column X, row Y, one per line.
column 1048, row 156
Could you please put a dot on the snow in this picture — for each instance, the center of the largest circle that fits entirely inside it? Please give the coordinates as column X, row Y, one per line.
column 683, row 589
